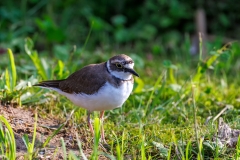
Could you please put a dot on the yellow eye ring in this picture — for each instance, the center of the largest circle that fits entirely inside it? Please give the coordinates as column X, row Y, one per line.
column 119, row 65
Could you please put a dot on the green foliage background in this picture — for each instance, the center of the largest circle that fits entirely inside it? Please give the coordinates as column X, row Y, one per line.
column 113, row 23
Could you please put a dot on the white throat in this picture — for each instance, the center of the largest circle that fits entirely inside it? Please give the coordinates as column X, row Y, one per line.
column 120, row 75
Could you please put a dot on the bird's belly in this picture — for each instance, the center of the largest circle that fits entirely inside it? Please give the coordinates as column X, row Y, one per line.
column 108, row 97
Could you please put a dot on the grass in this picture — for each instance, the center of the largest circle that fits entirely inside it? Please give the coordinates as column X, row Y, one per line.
column 30, row 145
column 164, row 118
column 96, row 138
column 238, row 149
column 7, row 145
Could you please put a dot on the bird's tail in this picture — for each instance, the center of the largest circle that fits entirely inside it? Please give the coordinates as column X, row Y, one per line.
column 49, row 84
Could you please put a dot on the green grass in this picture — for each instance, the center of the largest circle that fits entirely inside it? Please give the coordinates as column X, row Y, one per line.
column 30, row 145
column 7, row 140
column 164, row 118
column 238, row 149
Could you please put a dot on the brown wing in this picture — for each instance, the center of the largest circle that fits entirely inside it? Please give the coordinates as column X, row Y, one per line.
column 49, row 83
column 87, row 80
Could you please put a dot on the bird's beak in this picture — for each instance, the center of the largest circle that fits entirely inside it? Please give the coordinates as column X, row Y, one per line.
column 132, row 71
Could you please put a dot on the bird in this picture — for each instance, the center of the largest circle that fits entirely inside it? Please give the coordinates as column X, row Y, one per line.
column 97, row 87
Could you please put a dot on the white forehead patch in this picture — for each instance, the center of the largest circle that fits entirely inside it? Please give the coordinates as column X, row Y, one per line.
column 129, row 65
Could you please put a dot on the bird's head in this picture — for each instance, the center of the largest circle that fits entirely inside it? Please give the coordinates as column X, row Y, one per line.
column 121, row 66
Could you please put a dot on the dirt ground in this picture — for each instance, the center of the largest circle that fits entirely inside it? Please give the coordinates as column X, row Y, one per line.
column 22, row 122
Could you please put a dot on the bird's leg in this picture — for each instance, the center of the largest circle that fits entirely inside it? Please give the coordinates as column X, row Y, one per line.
column 89, row 122
column 102, row 128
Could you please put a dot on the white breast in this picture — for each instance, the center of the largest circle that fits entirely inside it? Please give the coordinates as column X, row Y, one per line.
column 108, row 97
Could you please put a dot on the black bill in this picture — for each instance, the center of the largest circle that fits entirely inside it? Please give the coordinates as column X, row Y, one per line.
column 131, row 71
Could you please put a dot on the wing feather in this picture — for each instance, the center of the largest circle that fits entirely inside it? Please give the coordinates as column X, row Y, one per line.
column 87, row 80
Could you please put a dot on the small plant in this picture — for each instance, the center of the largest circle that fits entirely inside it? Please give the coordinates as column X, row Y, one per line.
column 30, row 145
column 119, row 149
column 188, row 151
column 12, row 91
column 70, row 155
column 209, row 62
column 7, row 140
column 9, row 79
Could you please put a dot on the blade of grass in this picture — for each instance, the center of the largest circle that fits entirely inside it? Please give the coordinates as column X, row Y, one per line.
column 35, row 59
column 13, row 69
column 52, row 135
column 80, row 148
column 26, row 140
column 2, row 139
column 34, row 132
column 200, row 149
column 238, row 149
column 96, row 138
column 143, row 155
column 169, row 153
column 200, row 47
column 60, row 67
column 71, row 155
column 187, row 150
column 195, row 114
column 88, row 36
column 154, row 88
column 7, row 80
column 64, row 149
column 118, row 149
column 123, row 137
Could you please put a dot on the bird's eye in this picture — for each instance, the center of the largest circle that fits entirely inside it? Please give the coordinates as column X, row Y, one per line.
column 119, row 65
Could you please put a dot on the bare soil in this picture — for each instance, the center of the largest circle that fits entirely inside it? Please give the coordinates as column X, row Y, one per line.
column 22, row 122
